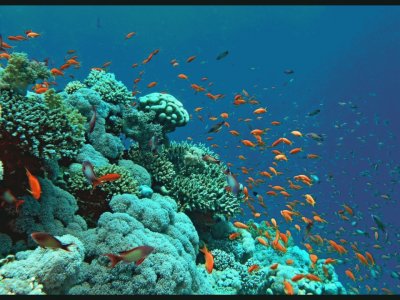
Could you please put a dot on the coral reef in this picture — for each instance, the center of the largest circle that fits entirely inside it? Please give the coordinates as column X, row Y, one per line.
column 170, row 269
column 110, row 89
column 55, row 270
column 179, row 171
column 20, row 72
column 170, row 112
column 93, row 202
column 45, row 127
column 54, row 213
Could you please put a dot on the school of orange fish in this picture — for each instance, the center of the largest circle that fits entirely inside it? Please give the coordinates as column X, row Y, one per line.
column 298, row 205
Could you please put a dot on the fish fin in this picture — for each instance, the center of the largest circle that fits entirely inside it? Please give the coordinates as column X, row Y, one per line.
column 30, row 192
column 96, row 182
column 65, row 247
column 114, row 259
column 140, row 261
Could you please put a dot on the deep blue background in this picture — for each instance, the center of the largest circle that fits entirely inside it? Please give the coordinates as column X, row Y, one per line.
column 339, row 54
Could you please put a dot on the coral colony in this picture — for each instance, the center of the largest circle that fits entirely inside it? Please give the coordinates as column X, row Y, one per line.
column 103, row 218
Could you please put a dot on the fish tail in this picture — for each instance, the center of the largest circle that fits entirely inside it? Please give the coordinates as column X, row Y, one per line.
column 114, row 259
column 96, row 182
column 65, row 247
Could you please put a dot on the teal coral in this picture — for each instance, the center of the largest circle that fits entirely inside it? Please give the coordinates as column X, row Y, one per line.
column 45, row 128
column 20, row 72
column 196, row 185
column 170, row 269
column 110, row 89
column 126, row 184
column 170, row 112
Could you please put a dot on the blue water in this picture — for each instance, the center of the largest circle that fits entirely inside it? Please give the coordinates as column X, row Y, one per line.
column 347, row 54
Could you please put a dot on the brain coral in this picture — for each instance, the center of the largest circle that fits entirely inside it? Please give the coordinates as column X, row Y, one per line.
column 170, row 112
column 170, row 269
column 44, row 127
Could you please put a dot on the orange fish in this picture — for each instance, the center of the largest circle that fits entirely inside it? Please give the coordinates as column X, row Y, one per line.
column 106, row 178
column 56, row 72
column 152, row 84
column 234, row 132
column 262, row 241
column 296, row 133
column 274, row 266
column 130, row 34
column 182, row 76
column 234, row 236
column 5, row 55
column 288, row 288
column 248, row 143
column 313, row 277
column 34, row 185
column 275, row 123
column 295, row 150
column 297, row 277
column 197, row 88
column 32, row 34
column 209, row 259
column 350, row 274
column 329, row 261
column 260, row 111
column 238, row 224
column 253, row 268
column 311, row 156
column 224, row 116
column 191, row 58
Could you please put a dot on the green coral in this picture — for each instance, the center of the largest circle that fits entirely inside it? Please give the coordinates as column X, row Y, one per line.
column 170, row 112
column 110, row 89
column 46, row 128
column 20, row 72
column 73, row 86
column 196, row 185
column 127, row 184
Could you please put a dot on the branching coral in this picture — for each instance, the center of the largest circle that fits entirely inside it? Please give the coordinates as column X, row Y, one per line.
column 110, row 89
column 197, row 186
column 20, row 72
column 93, row 202
column 46, row 128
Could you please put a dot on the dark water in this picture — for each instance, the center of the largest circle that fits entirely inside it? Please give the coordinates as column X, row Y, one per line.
column 346, row 64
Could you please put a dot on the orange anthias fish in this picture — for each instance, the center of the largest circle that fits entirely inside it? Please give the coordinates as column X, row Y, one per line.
column 106, row 178
column 34, row 185
column 191, row 58
column 238, row 224
column 130, row 34
column 253, row 268
column 46, row 240
column 209, row 259
column 136, row 255
column 152, row 84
